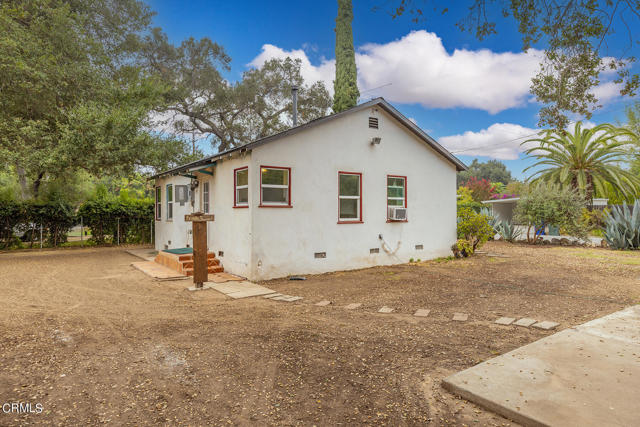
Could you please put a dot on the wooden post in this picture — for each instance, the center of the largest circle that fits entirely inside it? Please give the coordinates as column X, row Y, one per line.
column 199, row 227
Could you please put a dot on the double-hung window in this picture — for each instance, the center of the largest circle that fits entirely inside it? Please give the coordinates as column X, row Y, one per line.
column 396, row 192
column 349, row 197
column 158, row 203
column 169, row 202
column 241, row 187
column 275, row 187
column 205, row 197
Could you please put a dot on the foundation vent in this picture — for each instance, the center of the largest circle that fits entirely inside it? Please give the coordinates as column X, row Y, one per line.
column 320, row 255
column 374, row 250
column 419, row 247
column 220, row 253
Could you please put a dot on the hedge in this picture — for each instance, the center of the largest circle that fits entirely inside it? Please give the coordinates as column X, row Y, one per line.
column 103, row 216
column 57, row 217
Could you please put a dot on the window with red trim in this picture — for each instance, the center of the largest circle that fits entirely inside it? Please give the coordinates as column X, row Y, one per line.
column 349, row 197
column 241, row 187
column 396, row 192
column 275, row 186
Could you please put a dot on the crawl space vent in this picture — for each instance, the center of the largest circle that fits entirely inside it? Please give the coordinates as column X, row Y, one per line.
column 419, row 247
column 374, row 250
column 320, row 255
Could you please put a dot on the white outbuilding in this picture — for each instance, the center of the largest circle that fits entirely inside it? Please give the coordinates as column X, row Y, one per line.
column 355, row 189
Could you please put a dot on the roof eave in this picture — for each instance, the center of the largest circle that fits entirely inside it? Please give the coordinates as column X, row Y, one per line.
column 377, row 101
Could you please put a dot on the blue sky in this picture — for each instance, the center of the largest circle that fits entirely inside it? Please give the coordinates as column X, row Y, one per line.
column 471, row 95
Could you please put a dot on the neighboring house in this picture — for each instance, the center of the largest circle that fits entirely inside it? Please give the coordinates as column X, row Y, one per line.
column 359, row 188
column 504, row 209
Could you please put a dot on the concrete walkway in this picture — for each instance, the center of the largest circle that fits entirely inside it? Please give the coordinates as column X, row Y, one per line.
column 239, row 289
column 584, row 376
column 147, row 254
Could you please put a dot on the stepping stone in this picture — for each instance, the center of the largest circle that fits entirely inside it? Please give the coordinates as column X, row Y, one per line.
column 546, row 325
column 273, row 295
column 353, row 306
column 323, row 303
column 505, row 320
column 460, row 317
column 526, row 322
column 422, row 312
column 385, row 309
column 292, row 299
column 194, row 289
column 281, row 298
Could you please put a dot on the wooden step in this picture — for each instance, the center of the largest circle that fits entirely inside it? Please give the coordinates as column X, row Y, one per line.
column 210, row 270
column 189, row 257
column 210, row 262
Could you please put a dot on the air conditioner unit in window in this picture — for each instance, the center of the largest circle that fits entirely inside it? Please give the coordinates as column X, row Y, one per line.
column 397, row 213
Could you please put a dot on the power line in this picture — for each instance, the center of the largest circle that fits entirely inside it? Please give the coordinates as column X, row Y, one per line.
column 525, row 136
column 496, row 144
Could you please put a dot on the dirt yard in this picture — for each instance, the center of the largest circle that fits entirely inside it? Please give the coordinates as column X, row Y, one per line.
column 95, row 341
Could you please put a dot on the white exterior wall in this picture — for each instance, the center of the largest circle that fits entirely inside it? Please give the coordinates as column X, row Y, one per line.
column 172, row 233
column 261, row 242
column 286, row 239
column 230, row 231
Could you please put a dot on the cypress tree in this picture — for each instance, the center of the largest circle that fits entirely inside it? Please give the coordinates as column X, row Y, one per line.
column 346, row 83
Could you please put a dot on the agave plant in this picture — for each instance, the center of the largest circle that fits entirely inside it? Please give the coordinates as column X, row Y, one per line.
column 493, row 221
column 622, row 227
column 508, row 231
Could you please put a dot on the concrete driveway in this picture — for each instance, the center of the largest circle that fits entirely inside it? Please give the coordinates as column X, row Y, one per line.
column 583, row 376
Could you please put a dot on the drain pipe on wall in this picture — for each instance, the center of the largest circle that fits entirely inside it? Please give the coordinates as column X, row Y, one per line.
column 387, row 248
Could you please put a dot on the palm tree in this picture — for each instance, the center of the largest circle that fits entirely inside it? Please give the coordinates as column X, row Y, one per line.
column 586, row 160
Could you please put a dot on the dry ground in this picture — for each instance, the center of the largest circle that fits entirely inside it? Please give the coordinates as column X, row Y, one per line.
column 95, row 341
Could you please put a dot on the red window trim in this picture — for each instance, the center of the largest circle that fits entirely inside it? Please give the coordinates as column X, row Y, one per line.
column 289, row 205
column 405, row 196
column 235, row 190
column 158, row 191
column 355, row 221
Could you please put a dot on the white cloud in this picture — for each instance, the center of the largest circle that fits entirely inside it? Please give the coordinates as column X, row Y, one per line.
column 498, row 141
column 607, row 91
column 324, row 72
column 502, row 141
column 421, row 71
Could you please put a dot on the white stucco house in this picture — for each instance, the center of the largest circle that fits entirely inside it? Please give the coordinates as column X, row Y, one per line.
column 360, row 188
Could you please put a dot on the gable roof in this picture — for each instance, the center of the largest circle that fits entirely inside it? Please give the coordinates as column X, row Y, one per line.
column 377, row 102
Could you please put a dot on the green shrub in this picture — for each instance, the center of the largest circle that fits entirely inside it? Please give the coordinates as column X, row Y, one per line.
column 462, row 248
column 474, row 228
column 622, row 227
column 548, row 204
column 56, row 217
column 105, row 214
column 593, row 220
column 11, row 216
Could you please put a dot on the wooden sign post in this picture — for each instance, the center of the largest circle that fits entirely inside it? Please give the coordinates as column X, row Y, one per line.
column 199, row 227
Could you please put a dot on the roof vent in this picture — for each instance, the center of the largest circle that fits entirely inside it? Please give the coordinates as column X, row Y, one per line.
column 373, row 122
